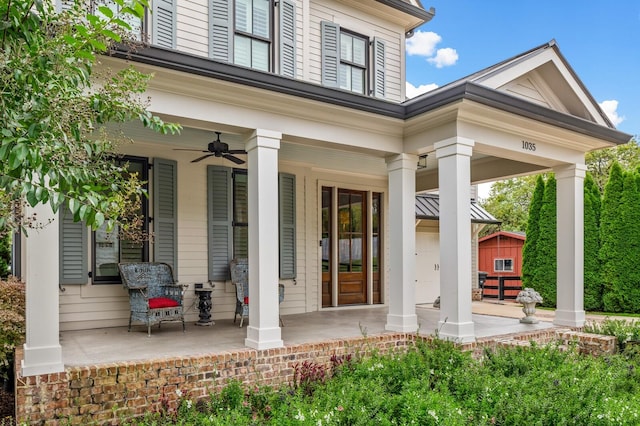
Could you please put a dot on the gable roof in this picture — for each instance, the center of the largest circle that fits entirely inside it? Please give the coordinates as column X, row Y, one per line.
column 510, row 234
column 540, row 76
column 428, row 207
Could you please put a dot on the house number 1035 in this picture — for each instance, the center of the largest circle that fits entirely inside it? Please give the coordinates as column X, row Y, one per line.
column 529, row 146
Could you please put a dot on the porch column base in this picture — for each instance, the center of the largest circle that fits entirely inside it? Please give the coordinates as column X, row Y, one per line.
column 263, row 338
column 402, row 323
column 463, row 332
column 569, row 318
column 42, row 360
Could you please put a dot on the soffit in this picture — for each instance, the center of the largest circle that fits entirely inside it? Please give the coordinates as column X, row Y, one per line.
column 408, row 14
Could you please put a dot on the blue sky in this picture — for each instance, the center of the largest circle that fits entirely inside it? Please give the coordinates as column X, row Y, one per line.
column 599, row 39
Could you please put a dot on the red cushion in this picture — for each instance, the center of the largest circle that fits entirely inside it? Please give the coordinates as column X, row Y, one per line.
column 162, row 302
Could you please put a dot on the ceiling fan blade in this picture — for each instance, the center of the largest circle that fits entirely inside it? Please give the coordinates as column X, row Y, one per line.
column 232, row 158
column 202, row 158
column 187, row 149
column 236, row 151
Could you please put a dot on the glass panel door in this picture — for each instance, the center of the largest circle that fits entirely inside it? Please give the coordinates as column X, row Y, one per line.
column 352, row 254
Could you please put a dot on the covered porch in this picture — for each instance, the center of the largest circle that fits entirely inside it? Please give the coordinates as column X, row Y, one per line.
column 115, row 344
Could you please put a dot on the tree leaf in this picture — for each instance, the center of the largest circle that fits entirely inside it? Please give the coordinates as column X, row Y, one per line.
column 106, row 11
column 17, row 155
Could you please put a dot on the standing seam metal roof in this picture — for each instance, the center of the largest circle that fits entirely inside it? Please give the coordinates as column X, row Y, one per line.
column 428, row 207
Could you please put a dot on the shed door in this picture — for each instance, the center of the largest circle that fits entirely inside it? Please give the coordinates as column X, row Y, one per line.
column 427, row 267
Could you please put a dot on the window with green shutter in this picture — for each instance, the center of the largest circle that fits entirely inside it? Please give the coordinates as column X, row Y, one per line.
column 107, row 248
column 228, row 216
column 350, row 62
column 241, row 32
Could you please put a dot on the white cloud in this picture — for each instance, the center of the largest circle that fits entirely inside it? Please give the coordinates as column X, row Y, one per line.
column 413, row 91
column 444, row 57
column 423, row 43
column 611, row 109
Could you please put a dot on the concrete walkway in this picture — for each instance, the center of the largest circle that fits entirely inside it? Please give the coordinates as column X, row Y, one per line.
column 508, row 309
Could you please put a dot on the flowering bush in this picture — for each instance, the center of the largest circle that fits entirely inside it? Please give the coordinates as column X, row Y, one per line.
column 12, row 325
column 529, row 295
column 435, row 383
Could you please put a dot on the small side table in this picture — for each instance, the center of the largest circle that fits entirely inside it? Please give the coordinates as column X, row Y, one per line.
column 204, row 305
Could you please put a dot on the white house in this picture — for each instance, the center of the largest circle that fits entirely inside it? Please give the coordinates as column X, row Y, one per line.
column 314, row 91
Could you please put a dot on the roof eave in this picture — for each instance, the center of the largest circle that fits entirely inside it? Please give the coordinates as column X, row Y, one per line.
column 512, row 104
column 206, row 67
column 417, row 12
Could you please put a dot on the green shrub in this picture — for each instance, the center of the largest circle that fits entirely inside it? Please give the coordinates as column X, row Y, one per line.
column 12, row 322
column 5, row 255
column 623, row 330
column 436, row 383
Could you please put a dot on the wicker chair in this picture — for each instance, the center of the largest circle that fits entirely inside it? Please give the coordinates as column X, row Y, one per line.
column 240, row 278
column 154, row 296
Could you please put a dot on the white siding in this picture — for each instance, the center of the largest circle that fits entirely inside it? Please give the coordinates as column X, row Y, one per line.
column 193, row 21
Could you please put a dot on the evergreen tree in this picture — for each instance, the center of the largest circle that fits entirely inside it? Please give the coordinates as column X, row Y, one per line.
column 625, row 291
column 5, row 255
column 529, row 253
column 610, row 236
column 592, row 277
column 545, row 274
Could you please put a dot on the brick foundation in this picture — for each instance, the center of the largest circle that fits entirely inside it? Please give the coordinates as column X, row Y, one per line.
column 106, row 393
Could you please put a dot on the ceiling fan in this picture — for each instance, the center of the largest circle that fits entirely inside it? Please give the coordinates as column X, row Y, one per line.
column 217, row 148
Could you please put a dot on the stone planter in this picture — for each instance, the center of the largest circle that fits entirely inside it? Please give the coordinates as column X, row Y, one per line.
column 529, row 297
column 529, row 309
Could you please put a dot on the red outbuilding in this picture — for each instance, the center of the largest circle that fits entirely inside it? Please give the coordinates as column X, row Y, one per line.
column 500, row 256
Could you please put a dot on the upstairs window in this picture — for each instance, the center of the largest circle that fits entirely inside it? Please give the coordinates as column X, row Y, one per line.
column 252, row 36
column 351, row 62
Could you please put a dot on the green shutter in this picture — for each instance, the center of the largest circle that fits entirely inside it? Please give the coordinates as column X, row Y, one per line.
column 165, row 212
column 221, row 30
column 73, row 249
column 220, row 221
column 288, row 38
column 378, row 68
column 330, row 53
column 287, row 224
column 164, row 23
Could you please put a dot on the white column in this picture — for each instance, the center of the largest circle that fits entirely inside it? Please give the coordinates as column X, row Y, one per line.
column 263, row 331
column 454, row 177
column 570, row 245
column 402, row 240
column 42, row 350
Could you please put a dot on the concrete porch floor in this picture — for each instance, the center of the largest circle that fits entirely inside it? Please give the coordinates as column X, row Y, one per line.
column 107, row 345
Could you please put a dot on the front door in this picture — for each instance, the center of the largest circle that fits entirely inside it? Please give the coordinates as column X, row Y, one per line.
column 352, row 246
